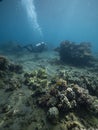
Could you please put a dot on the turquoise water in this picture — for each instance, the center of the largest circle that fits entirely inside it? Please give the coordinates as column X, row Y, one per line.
column 32, row 21
column 43, row 89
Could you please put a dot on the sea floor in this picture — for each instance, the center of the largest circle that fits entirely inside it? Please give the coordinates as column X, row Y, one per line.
column 48, row 60
column 18, row 111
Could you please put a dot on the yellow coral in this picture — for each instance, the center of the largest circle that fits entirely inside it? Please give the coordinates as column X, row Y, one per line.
column 61, row 82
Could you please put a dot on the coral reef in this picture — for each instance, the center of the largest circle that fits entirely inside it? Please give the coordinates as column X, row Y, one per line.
column 38, row 100
column 60, row 97
column 76, row 54
column 85, row 79
column 71, row 98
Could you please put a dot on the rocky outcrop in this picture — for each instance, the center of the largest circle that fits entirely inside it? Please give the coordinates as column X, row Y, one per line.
column 8, row 74
column 76, row 54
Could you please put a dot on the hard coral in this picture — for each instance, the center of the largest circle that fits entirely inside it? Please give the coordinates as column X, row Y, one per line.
column 62, row 84
column 76, row 54
column 36, row 79
column 53, row 115
column 60, row 96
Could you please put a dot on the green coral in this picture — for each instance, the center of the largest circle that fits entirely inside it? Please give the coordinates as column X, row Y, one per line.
column 42, row 74
column 36, row 79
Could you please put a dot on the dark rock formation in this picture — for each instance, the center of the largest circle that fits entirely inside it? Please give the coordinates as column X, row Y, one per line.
column 76, row 54
column 8, row 75
column 3, row 63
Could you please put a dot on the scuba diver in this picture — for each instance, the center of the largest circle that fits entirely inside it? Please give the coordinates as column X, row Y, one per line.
column 39, row 47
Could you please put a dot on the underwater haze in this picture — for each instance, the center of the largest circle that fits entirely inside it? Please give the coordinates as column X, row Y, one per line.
column 48, row 64
column 51, row 21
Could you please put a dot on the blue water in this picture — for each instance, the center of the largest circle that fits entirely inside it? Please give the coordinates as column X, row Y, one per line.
column 52, row 21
